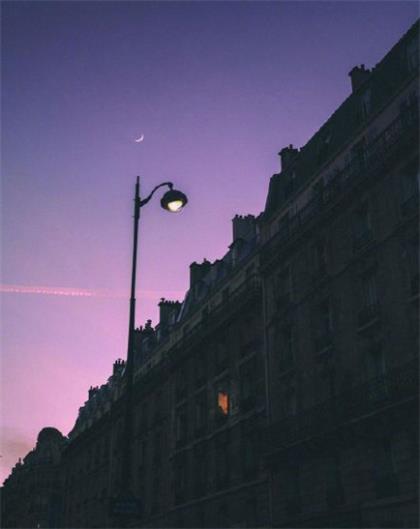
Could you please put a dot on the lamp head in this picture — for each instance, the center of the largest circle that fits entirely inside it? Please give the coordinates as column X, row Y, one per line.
column 173, row 200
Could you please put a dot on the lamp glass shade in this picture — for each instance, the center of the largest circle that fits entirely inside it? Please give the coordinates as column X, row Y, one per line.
column 173, row 200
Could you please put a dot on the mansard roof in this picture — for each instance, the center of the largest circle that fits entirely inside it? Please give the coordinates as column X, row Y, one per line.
column 384, row 82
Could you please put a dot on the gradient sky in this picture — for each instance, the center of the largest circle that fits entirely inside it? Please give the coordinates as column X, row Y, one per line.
column 217, row 89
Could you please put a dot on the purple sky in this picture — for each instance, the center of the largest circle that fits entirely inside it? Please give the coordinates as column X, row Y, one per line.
column 217, row 89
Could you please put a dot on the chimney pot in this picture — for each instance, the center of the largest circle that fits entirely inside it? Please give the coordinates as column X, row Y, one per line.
column 358, row 76
column 287, row 156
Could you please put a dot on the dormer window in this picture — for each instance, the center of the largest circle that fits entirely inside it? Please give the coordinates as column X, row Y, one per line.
column 412, row 52
column 366, row 105
column 323, row 148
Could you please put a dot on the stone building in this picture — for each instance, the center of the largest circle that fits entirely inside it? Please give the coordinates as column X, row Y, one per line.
column 339, row 265
column 199, row 409
column 31, row 495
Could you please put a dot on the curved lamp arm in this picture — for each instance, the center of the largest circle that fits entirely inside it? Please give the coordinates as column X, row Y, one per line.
column 146, row 200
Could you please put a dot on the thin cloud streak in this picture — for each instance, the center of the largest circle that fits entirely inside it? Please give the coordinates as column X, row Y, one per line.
column 85, row 292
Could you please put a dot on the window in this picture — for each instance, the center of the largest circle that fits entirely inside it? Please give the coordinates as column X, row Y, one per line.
column 362, row 233
column 200, row 368
column 248, row 383
column 369, row 289
column 413, row 55
column 222, row 356
column 249, row 454
column 157, row 455
column 141, row 453
column 376, row 371
column 369, row 311
column 156, row 494
column 386, row 483
column 365, row 103
column 290, row 402
column 411, row 254
column 222, row 464
column 158, row 406
column 324, row 148
column 223, row 403
column 200, row 468
column 201, row 412
column 292, row 488
column 181, row 384
column 144, row 417
column 409, row 191
column 285, row 346
column 283, row 226
column 180, row 479
column 222, row 516
column 330, row 469
column 181, row 425
column 358, row 156
column 284, row 288
column 319, row 254
column 323, row 315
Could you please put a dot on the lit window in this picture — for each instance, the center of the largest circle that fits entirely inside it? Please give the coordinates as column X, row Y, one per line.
column 223, row 402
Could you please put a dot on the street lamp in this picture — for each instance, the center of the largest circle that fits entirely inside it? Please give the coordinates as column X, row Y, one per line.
column 173, row 200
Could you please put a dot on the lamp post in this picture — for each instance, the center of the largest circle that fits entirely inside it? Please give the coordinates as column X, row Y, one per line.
column 173, row 200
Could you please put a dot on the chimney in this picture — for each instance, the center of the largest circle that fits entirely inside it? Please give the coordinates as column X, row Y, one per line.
column 168, row 311
column 198, row 271
column 118, row 366
column 244, row 227
column 287, row 156
column 92, row 391
column 358, row 76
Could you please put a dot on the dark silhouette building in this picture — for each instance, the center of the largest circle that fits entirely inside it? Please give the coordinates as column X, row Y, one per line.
column 31, row 495
column 283, row 390
column 199, row 409
column 339, row 262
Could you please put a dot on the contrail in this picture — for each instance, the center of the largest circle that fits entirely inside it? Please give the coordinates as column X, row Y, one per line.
column 87, row 292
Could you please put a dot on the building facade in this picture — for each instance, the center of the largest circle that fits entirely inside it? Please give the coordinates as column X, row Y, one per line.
column 339, row 262
column 32, row 495
column 283, row 390
column 199, row 409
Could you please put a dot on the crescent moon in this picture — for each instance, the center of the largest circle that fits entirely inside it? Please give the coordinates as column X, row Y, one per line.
column 139, row 140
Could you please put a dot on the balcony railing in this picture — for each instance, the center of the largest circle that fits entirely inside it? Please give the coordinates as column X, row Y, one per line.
column 410, row 206
column 414, row 285
column 376, row 156
column 323, row 341
column 386, row 486
column 368, row 314
column 361, row 240
column 245, row 291
column 395, row 386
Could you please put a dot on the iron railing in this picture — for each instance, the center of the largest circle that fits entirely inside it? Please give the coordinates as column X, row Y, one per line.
column 376, row 155
column 395, row 386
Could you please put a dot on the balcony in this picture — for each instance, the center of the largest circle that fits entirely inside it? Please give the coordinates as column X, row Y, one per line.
column 397, row 385
column 292, row 506
column 410, row 206
column 248, row 402
column 323, row 341
column 361, row 240
column 399, row 136
column 386, row 486
column 414, row 286
column 230, row 307
column 367, row 315
column 335, row 496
